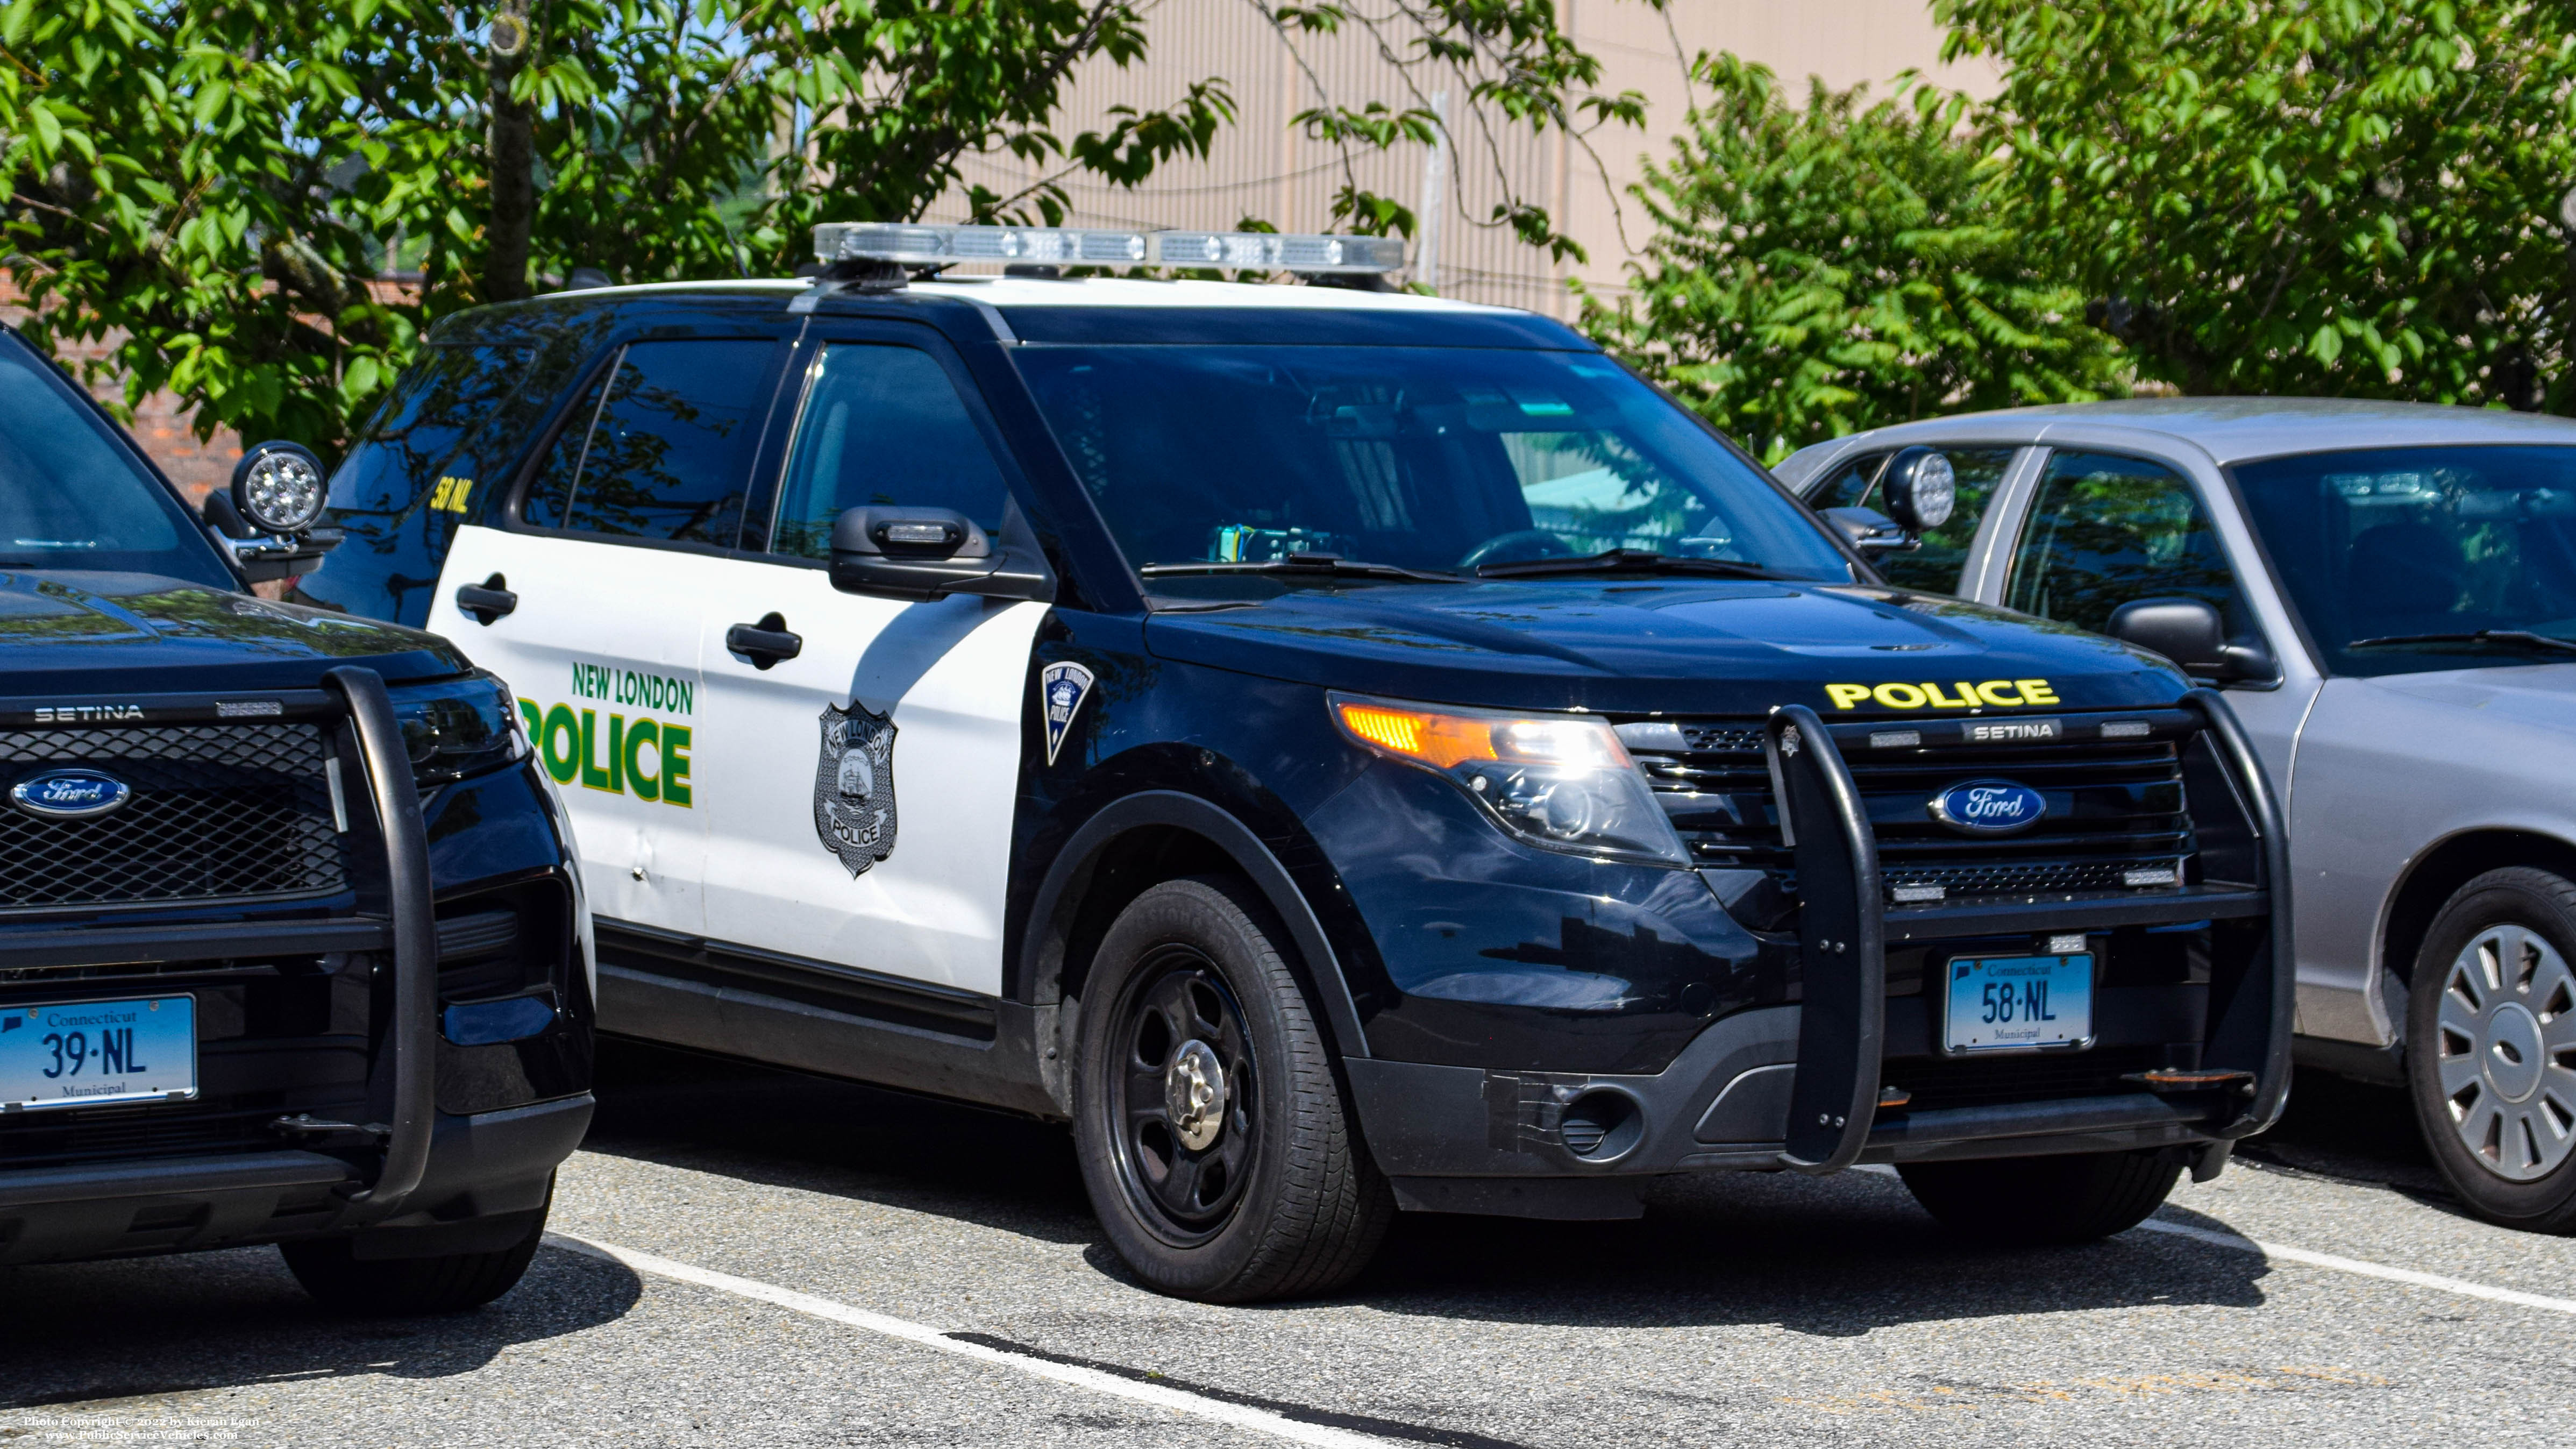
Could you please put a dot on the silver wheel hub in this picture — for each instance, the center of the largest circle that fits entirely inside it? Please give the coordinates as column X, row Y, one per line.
column 1194, row 1095
column 2506, row 1052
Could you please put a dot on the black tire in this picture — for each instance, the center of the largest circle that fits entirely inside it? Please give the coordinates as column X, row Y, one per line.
column 408, row 1287
column 2511, row 1159
column 1282, row 1200
column 2080, row 1197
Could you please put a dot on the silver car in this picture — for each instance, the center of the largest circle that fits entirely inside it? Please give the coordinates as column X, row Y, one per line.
column 2387, row 592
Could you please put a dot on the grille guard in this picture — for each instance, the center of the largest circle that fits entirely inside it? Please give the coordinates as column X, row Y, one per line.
column 1844, row 926
column 407, row 928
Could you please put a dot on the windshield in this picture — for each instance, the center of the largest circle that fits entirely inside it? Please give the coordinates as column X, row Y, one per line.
column 1426, row 458
column 73, row 497
column 2385, row 544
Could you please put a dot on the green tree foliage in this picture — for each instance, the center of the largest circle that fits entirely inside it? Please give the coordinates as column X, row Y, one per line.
column 212, row 185
column 1841, row 265
column 2351, row 197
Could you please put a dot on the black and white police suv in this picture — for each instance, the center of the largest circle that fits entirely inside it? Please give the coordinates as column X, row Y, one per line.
column 291, row 935
column 1343, row 751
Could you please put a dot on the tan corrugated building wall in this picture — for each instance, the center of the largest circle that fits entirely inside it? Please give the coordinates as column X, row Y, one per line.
column 1262, row 168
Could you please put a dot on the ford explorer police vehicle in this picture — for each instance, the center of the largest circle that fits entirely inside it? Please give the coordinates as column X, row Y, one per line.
column 292, row 944
column 1341, row 751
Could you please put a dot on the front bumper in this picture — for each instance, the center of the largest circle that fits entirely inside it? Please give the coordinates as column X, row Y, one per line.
column 486, row 1177
column 1800, row 1087
column 1461, row 1139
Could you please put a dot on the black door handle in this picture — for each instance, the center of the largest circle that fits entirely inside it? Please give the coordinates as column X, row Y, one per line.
column 766, row 642
column 487, row 600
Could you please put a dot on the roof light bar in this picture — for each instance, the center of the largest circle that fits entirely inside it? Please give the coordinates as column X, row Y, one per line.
column 929, row 246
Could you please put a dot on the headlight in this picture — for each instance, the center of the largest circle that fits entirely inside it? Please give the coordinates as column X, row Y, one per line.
column 459, row 728
column 1561, row 781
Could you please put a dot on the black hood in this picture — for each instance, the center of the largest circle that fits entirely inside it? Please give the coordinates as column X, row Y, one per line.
column 1669, row 646
column 65, row 633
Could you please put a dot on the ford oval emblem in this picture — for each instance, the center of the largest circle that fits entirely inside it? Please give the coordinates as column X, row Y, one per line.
column 1989, row 807
column 70, row 794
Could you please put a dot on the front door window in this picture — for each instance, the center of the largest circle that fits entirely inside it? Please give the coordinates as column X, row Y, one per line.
column 2105, row 530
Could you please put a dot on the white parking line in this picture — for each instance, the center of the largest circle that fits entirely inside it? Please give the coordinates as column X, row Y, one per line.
column 1178, row 1400
column 2460, row 1286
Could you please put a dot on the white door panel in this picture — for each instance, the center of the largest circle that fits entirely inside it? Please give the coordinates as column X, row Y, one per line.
column 952, row 676
column 603, row 660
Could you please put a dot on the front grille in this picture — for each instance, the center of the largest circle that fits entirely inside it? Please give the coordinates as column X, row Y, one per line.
column 2116, row 821
column 218, row 812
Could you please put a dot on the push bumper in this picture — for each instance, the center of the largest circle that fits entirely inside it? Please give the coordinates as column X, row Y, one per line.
column 1798, row 1087
column 435, row 1177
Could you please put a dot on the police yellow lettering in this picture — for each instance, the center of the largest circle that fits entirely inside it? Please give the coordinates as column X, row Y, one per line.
column 1967, row 696
column 675, row 765
column 1899, row 696
column 2035, row 691
column 630, row 755
column 1999, row 692
column 1845, row 696
column 560, row 725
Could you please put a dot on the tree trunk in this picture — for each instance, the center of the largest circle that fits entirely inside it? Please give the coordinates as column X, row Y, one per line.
column 511, row 157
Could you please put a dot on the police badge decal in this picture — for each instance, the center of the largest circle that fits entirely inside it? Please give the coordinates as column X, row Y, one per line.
column 1061, row 688
column 854, row 786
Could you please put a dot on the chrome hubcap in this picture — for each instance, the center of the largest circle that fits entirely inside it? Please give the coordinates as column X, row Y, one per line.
column 2506, row 1052
column 1194, row 1095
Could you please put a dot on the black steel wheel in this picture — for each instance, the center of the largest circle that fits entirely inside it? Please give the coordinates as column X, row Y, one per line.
column 1214, row 1138
column 1186, row 1127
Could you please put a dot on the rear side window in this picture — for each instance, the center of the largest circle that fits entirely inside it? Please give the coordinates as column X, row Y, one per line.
column 418, row 471
column 882, row 425
column 659, row 448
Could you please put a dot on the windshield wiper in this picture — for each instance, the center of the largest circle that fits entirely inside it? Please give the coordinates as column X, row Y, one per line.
column 1625, row 561
column 2508, row 638
column 1306, row 565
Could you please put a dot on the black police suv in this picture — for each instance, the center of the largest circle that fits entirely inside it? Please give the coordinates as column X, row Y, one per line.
column 292, row 943
column 1343, row 752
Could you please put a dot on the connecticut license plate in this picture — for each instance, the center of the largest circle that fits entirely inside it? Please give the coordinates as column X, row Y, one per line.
column 2019, row 1003
column 82, row 1053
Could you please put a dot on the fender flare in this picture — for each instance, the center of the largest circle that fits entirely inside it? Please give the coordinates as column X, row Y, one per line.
column 1199, row 816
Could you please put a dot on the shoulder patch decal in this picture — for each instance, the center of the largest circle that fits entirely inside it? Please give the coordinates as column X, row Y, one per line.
column 854, row 786
column 1061, row 688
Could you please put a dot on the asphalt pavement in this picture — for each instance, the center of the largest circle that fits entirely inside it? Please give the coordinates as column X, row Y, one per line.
column 747, row 1258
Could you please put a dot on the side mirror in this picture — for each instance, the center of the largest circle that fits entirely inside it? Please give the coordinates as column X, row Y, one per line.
column 2191, row 634
column 268, row 519
column 927, row 553
column 1919, row 488
column 1871, row 531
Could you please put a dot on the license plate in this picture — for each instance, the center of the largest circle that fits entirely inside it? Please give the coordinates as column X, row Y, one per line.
column 86, row 1053
column 2019, row 1003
